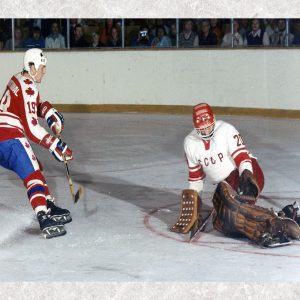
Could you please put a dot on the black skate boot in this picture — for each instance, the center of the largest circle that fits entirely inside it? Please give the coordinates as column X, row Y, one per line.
column 291, row 211
column 49, row 227
column 267, row 240
column 58, row 214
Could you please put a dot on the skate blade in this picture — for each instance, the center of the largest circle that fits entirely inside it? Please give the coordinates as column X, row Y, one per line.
column 275, row 245
column 54, row 231
column 62, row 219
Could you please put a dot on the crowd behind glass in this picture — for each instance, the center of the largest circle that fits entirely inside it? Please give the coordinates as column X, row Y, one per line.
column 16, row 34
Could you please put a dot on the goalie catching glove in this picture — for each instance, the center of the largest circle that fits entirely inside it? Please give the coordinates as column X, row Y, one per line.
column 248, row 185
column 237, row 219
column 54, row 119
column 57, row 147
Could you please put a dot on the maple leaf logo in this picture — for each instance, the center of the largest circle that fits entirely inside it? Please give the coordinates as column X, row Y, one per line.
column 33, row 157
column 27, row 145
column 34, row 122
column 30, row 91
column 48, row 139
column 27, row 81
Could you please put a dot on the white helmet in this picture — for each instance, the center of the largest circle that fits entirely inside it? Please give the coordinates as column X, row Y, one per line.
column 34, row 56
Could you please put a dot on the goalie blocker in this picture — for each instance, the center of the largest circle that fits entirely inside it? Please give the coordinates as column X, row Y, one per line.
column 190, row 212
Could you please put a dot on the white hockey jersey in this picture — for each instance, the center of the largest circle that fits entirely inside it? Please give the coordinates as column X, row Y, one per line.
column 217, row 157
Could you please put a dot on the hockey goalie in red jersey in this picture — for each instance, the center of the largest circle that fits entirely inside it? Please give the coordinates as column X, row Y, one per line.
column 20, row 107
column 215, row 150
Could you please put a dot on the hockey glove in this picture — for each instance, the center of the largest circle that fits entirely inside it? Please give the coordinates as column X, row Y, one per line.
column 57, row 147
column 54, row 119
column 248, row 185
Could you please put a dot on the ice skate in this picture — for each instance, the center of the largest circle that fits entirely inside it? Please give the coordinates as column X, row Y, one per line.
column 49, row 227
column 58, row 214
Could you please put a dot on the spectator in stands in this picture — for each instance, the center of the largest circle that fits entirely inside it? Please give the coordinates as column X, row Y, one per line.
column 36, row 40
column 2, row 41
column 206, row 36
column 42, row 24
column 243, row 27
column 96, row 41
column 114, row 40
column 143, row 39
column 257, row 36
column 270, row 26
column 105, row 33
column 5, row 27
column 296, row 31
column 55, row 39
column 18, row 40
column 161, row 39
column 79, row 40
column 73, row 23
column 163, row 23
column 236, row 37
column 173, row 34
column 188, row 38
column 280, row 37
column 215, row 27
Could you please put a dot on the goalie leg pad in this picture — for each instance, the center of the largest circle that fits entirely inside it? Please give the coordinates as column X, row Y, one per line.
column 190, row 211
column 261, row 225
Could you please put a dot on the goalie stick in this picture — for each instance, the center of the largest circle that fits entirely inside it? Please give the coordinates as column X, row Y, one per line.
column 195, row 230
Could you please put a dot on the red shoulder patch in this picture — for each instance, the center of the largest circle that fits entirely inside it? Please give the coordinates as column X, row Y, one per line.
column 28, row 81
column 30, row 91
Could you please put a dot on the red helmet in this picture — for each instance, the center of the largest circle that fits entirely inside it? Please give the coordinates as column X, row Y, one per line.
column 203, row 118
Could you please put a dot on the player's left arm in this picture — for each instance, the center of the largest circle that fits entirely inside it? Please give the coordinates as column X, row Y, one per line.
column 38, row 134
column 55, row 120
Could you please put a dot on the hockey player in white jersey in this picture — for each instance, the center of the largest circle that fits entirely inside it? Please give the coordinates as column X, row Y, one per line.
column 216, row 151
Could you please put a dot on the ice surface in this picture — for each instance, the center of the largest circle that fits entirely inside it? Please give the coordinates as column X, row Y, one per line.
column 133, row 170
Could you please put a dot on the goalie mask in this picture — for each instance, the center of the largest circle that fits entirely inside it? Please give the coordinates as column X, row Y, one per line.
column 34, row 57
column 204, row 120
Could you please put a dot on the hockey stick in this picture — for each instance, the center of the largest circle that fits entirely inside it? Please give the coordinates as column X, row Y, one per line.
column 79, row 193
column 196, row 230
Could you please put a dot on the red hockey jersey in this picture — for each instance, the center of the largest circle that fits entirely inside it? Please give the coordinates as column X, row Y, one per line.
column 19, row 110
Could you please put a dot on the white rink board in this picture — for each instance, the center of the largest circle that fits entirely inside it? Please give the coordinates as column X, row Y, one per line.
column 260, row 78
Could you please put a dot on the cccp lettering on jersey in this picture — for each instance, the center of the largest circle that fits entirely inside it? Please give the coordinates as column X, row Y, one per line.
column 213, row 160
